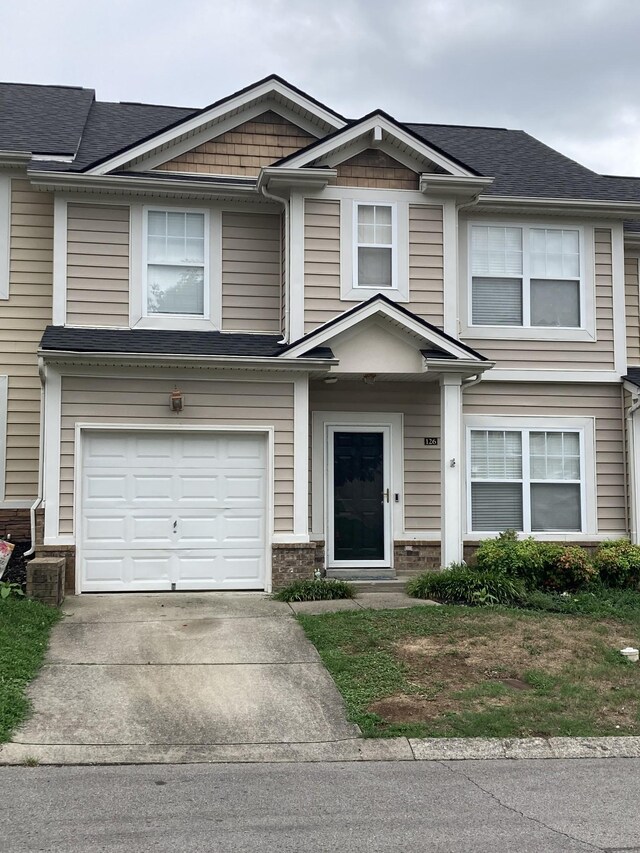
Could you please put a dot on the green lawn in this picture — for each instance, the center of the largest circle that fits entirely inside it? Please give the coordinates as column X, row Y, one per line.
column 482, row 672
column 24, row 635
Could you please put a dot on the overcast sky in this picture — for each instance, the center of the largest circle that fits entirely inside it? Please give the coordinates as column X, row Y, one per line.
column 566, row 71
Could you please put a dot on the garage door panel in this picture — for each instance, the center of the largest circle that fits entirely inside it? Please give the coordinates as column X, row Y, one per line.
column 106, row 531
column 151, row 530
column 183, row 509
column 156, row 488
column 198, row 487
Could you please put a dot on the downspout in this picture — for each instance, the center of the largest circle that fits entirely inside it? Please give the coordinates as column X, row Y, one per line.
column 633, row 480
column 38, row 500
column 286, row 277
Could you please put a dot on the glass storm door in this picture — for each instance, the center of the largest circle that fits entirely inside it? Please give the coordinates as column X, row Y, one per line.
column 358, row 497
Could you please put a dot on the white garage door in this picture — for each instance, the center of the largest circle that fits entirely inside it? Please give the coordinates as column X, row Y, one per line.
column 165, row 511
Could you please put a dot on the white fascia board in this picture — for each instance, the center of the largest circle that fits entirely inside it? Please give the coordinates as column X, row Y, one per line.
column 281, row 176
column 151, row 185
column 193, row 124
column 231, row 362
column 592, row 377
column 365, row 127
column 454, row 186
column 372, row 310
column 588, row 207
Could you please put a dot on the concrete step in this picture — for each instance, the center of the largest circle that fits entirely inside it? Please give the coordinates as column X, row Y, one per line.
column 378, row 586
column 361, row 574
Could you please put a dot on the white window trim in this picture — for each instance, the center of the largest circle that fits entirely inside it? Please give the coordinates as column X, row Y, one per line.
column 393, row 246
column 350, row 291
column 5, row 234
column 586, row 429
column 138, row 318
column 587, row 329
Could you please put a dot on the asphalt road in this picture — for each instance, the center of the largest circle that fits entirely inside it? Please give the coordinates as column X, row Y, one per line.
column 523, row 806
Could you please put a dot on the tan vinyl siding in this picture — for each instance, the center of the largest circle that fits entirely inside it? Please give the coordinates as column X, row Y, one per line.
column 602, row 402
column 569, row 355
column 245, row 149
column 426, row 263
column 97, row 265
column 322, row 263
column 420, row 406
column 145, row 401
column 23, row 318
column 251, row 272
column 632, row 309
column 372, row 168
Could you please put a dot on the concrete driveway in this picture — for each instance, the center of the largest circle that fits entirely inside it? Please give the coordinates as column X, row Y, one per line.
column 173, row 676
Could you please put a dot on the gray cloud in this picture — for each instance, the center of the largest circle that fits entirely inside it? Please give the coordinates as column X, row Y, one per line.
column 566, row 71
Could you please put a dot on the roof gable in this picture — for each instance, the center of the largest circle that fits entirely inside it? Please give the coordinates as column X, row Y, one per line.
column 244, row 149
column 431, row 338
column 381, row 131
column 272, row 93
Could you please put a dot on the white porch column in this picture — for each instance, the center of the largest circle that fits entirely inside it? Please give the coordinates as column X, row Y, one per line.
column 301, row 458
column 451, row 468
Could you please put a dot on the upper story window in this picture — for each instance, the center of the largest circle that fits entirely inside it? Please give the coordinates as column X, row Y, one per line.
column 526, row 276
column 175, row 264
column 374, row 245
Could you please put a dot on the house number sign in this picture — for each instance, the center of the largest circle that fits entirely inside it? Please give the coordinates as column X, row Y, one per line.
column 431, row 442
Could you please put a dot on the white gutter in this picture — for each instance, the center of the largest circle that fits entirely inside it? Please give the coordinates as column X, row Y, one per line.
column 83, row 182
column 634, row 473
column 38, row 500
column 622, row 209
column 233, row 362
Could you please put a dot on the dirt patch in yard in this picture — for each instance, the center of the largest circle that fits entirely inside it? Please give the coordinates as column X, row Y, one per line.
column 478, row 666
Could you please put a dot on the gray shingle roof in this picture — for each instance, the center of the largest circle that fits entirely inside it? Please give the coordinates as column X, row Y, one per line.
column 60, row 120
column 167, row 342
column 633, row 375
column 43, row 119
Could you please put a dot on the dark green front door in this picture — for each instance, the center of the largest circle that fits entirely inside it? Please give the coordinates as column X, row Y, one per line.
column 358, row 511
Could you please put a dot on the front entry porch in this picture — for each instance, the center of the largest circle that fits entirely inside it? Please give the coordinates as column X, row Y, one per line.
column 386, row 460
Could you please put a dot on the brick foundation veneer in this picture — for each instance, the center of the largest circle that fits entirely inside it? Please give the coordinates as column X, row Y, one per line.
column 413, row 557
column 68, row 553
column 293, row 562
column 16, row 523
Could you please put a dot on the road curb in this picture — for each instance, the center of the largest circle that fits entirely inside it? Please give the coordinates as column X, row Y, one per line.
column 356, row 749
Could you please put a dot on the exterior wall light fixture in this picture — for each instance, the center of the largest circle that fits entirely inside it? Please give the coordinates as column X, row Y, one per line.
column 176, row 401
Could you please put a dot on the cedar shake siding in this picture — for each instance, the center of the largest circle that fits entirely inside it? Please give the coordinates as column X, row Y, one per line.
column 372, row 168
column 245, row 149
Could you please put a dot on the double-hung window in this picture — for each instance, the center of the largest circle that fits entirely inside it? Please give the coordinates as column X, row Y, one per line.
column 529, row 480
column 176, row 263
column 526, row 276
column 374, row 263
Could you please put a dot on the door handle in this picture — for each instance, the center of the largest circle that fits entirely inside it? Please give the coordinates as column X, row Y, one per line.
column 175, row 526
column 385, row 495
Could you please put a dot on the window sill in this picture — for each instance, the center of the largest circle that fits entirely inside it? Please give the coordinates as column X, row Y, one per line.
column 511, row 333
column 362, row 294
column 174, row 323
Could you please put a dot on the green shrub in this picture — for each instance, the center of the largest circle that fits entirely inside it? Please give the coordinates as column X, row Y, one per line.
column 618, row 563
column 541, row 565
column 465, row 585
column 526, row 559
column 570, row 569
column 315, row 590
